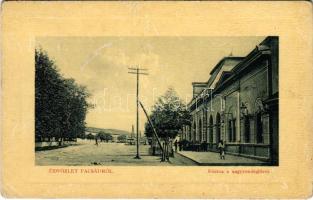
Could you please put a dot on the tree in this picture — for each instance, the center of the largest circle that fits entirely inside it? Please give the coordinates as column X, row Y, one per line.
column 122, row 138
column 82, row 135
column 60, row 104
column 168, row 115
column 108, row 137
column 104, row 136
column 90, row 136
column 101, row 135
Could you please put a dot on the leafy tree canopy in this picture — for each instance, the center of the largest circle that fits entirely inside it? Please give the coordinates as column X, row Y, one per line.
column 168, row 115
column 90, row 136
column 122, row 137
column 60, row 103
column 104, row 136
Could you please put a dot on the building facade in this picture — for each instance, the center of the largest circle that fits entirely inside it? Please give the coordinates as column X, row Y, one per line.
column 239, row 105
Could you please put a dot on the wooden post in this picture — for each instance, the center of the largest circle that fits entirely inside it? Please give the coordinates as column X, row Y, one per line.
column 137, row 72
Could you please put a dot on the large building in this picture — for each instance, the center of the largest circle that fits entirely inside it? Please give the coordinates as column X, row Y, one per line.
column 239, row 105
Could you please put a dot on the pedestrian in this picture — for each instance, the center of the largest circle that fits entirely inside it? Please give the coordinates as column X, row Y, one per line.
column 96, row 138
column 175, row 144
column 180, row 145
column 221, row 147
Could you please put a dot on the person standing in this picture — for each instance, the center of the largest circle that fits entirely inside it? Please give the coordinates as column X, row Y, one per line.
column 96, row 138
column 176, row 145
column 180, row 145
column 221, row 147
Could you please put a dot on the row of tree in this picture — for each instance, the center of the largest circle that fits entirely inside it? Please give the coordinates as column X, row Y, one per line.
column 168, row 116
column 60, row 103
column 102, row 136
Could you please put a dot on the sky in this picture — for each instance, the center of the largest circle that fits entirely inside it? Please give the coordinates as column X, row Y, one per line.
column 101, row 64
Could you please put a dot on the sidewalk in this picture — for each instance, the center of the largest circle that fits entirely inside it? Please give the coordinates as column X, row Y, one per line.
column 213, row 159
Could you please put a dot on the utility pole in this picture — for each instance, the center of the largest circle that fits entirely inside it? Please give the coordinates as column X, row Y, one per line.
column 132, row 134
column 137, row 71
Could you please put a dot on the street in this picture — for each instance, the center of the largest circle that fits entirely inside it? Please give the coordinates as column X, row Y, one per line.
column 107, row 154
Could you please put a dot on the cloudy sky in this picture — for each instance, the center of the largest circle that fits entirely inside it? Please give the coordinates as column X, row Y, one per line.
column 101, row 64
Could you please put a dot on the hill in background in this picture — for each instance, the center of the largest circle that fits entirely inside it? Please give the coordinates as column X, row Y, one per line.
column 110, row 131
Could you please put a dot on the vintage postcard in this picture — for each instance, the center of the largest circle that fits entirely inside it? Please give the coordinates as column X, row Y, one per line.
column 156, row 99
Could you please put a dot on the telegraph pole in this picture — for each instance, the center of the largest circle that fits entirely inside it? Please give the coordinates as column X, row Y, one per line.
column 137, row 71
column 133, row 131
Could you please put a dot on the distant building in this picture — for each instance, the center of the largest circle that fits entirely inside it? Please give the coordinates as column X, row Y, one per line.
column 239, row 105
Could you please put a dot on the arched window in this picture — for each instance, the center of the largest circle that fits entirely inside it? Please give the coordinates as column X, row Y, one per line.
column 205, row 134
column 194, row 132
column 247, row 129
column 218, row 127
column 211, row 129
column 230, row 134
column 200, row 130
column 232, row 130
column 259, row 128
column 205, row 127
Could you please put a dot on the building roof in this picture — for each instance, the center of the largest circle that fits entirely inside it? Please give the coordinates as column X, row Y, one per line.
column 257, row 52
column 222, row 74
column 225, row 59
column 199, row 83
column 226, row 64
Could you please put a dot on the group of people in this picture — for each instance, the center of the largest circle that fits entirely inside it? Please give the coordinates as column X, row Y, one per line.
column 177, row 145
column 220, row 146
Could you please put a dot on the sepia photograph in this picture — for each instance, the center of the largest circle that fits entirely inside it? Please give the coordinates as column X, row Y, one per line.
column 157, row 101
